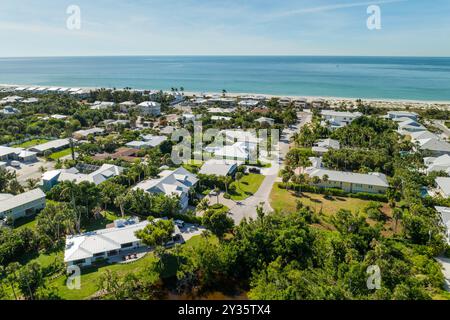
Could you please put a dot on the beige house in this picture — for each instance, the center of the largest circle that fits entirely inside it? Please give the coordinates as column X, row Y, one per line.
column 350, row 182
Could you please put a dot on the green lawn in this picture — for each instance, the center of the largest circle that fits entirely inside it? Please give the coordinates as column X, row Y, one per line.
column 60, row 154
column 31, row 143
column 90, row 276
column 247, row 186
column 26, row 222
column 284, row 200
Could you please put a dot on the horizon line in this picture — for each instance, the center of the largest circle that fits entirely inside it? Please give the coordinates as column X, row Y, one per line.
column 223, row 55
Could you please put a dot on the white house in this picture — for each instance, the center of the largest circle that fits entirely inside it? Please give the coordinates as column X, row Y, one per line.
column 83, row 134
column 443, row 186
column 150, row 108
column 171, row 183
column 395, row 115
column 444, row 213
column 21, row 205
column 51, row 146
column 338, row 119
column 435, row 147
column 102, row 105
column 323, row 146
column 220, row 168
column 9, row 110
column 441, row 163
column 8, row 154
column 409, row 126
column 148, row 141
column 248, row 104
column 350, row 182
column 266, row 120
column 110, row 244
column 125, row 106
column 103, row 173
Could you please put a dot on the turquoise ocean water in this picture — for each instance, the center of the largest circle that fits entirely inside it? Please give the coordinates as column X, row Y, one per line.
column 353, row 77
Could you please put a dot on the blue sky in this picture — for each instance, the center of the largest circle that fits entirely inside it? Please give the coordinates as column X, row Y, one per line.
column 226, row 27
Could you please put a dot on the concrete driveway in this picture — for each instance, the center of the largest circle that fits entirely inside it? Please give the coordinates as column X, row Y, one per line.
column 247, row 208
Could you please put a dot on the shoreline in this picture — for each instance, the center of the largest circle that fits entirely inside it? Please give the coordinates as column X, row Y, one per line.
column 332, row 99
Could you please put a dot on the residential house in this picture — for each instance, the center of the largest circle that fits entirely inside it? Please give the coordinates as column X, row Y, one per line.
column 350, row 182
column 51, row 146
column 409, row 126
column 148, row 141
column 102, row 105
column 441, row 163
column 9, row 111
column 150, row 108
column 22, row 205
column 443, row 186
column 338, row 119
column 84, row 134
column 248, row 104
column 127, row 105
column 108, row 244
column 395, row 115
column 444, row 213
column 268, row 121
column 178, row 183
column 100, row 175
column 220, row 168
column 323, row 146
column 435, row 147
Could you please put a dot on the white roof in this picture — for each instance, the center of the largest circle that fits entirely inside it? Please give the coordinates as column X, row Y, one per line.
column 149, row 104
column 153, row 141
column 235, row 151
column 6, row 151
column 54, row 144
column 219, row 167
column 87, row 244
column 97, row 177
column 21, row 199
column 328, row 143
column 373, row 179
column 420, row 135
column 445, row 214
column 87, row 132
column 241, row 135
column 402, row 114
column 174, row 182
column 444, row 184
column 265, row 119
column 434, row 144
column 345, row 114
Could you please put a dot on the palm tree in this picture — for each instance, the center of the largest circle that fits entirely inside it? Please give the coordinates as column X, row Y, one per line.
column 120, row 202
column 203, row 204
column 217, row 192
column 238, row 177
column 227, row 181
column 32, row 183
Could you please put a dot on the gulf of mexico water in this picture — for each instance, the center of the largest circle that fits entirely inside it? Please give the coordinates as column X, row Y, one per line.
column 410, row 78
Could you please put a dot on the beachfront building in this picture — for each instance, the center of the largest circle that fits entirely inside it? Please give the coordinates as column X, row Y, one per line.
column 84, row 134
column 98, row 176
column 177, row 182
column 443, row 186
column 350, row 182
column 285, row 101
column 323, row 146
column 300, row 103
column 51, row 146
column 110, row 244
column 150, row 108
column 22, row 205
column 444, row 214
column 220, row 118
column 338, row 119
column 220, row 168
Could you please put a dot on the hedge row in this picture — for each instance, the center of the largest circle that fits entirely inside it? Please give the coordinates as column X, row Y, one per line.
column 334, row 192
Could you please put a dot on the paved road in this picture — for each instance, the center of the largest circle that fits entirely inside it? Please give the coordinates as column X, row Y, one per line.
column 441, row 125
column 247, row 208
column 445, row 262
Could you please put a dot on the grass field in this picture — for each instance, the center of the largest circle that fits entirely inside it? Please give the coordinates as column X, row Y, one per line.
column 60, row 154
column 91, row 276
column 247, row 186
column 31, row 143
